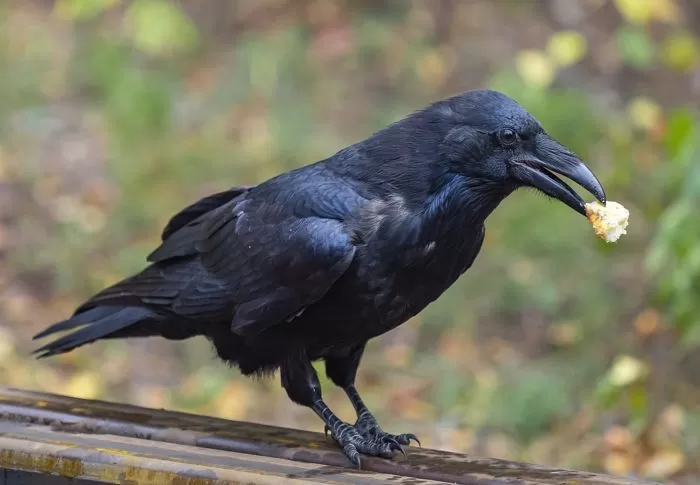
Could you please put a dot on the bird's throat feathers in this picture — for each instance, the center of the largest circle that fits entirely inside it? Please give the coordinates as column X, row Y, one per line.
column 461, row 201
column 454, row 205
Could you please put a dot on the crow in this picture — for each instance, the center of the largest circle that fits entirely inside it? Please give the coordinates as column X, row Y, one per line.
column 313, row 263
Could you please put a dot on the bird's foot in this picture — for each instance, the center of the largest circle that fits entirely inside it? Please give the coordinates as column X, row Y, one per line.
column 354, row 443
column 368, row 427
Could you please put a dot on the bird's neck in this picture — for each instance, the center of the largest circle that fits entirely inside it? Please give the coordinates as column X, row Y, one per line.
column 460, row 203
column 454, row 208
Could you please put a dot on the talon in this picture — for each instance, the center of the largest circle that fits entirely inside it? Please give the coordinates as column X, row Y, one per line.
column 392, row 441
column 411, row 436
column 397, row 447
column 352, row 454
column 326, row 429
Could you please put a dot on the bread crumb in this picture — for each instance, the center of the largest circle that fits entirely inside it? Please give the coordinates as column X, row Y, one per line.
column 609, row 221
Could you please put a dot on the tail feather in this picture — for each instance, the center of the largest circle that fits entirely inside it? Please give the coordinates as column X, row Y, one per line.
column 77, row 320
column 98, row 322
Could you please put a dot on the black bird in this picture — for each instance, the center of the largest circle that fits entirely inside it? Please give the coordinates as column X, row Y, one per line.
column 313, row 263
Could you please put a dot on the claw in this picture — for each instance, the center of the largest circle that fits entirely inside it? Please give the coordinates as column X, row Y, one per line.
column 411, row 436
column 352, row 454
column 373, row 441
column 396, row 446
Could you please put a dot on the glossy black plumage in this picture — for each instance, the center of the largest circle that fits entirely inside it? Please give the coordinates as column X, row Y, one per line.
column 315, row 262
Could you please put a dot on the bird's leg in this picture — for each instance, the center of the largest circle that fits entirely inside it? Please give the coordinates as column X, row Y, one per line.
column 300, row 381
column 342, row 371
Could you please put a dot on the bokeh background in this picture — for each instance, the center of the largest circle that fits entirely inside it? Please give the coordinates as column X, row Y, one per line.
column 555, row 348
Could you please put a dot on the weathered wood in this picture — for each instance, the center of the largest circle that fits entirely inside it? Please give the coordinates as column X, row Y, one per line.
column 104, row 442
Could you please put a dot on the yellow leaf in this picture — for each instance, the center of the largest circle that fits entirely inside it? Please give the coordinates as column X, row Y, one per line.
column 664, row 464
column 626, row 370
column 618, row 463
column 567, row 47
column 643, row 11
column 535, row 68
column 85, row 385
column 432, row 69
column 233, row 402
column 636, row 11
column 644, row 113
column 681, row 51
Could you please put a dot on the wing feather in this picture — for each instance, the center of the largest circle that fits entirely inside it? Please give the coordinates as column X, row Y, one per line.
column 258, row 261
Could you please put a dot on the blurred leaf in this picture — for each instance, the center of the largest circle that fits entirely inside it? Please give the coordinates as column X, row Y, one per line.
column 673, row 256
column 159, row 27
column 639, row 402
column 635, row 46
column 86, row 385
column 681, row 125
column 626, row 370
column 681, row 51
column 233, row 401
column 619, row 463
column 664, row 464
column 645, row 113
column 82, row 9
column 567, row 47
column 535, row 68
column 432, row 69
column 636, row 11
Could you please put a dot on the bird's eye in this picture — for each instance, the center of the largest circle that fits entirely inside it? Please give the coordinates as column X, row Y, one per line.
column 507, row 137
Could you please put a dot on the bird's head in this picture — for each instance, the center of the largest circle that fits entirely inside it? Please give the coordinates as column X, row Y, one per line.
column 491, row 137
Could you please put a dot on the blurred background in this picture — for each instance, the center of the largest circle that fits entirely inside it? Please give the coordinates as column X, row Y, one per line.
column 555, row 348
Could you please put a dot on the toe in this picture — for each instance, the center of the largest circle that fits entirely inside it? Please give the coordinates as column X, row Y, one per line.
column 352, row 454
column 396, row 446
column 405, row 439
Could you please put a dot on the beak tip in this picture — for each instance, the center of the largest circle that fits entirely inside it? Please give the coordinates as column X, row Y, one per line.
column 602, row 197
column 591, row 182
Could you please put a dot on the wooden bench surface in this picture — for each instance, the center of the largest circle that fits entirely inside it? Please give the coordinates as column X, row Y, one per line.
column 51, row 439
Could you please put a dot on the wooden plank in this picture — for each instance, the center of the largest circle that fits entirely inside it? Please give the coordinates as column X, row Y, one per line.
column 59, row 434
column 118, row 459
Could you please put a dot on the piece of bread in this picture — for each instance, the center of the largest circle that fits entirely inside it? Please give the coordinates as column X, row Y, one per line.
column 609, row 221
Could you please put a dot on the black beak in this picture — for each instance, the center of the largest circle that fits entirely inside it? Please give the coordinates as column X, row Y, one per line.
column 537, row 169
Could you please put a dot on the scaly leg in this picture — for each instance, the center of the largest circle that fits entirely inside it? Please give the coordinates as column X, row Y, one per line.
column 300, row 381
column 342, row 372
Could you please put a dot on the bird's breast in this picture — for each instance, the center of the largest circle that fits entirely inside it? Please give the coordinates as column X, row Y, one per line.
column 401, row 280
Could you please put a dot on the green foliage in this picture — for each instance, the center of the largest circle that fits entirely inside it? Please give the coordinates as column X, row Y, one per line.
column 674, row 255
column 635, row 47
column 159, row 27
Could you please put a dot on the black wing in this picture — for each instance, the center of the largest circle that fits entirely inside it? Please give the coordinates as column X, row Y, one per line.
column 253, row 262
column 202, row 206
